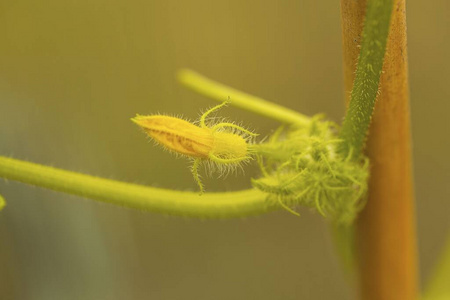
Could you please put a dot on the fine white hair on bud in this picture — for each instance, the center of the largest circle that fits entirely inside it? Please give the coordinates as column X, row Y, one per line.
column 221, row 146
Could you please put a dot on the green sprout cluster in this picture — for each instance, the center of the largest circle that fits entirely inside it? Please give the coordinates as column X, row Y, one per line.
column 301, row 166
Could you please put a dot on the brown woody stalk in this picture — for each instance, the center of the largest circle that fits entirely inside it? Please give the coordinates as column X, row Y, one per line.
column 386, row 239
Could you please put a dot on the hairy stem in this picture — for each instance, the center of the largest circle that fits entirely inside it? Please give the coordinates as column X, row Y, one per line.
column 386, row 237
column 179, row 203
column 365, row 86
column 221, row 92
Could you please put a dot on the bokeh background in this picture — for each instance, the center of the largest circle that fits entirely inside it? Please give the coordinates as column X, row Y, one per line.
column 72, row 73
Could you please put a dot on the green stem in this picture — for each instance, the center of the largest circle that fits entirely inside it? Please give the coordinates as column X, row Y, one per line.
column 368, row 72
column 221, row 92
column 180, row 203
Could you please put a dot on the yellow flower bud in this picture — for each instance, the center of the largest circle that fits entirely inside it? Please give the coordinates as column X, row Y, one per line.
column 224, row 144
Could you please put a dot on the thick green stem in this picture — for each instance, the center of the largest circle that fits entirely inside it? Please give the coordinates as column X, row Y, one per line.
column 209, row 205
column 368, row 72
column 221, row 92
column 385, row 229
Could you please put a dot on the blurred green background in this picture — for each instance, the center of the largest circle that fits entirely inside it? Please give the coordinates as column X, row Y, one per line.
column 72, row 73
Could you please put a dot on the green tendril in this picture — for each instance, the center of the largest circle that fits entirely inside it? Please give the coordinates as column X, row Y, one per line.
column 178, row 203
column 220, row 92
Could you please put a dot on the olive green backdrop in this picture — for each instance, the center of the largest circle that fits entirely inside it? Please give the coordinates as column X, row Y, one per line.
column 72, row 73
